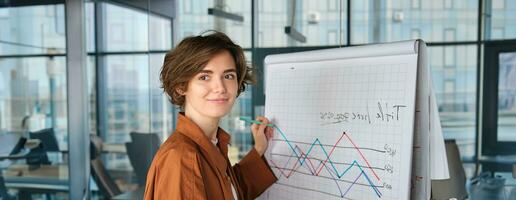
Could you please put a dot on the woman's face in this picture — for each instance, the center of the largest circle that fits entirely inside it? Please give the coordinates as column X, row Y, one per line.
column 212, row 92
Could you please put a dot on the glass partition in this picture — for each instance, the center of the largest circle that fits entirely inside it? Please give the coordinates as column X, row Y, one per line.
column 33, row 102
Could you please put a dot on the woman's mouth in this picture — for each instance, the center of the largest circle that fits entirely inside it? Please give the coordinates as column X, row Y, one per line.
column 218, row 100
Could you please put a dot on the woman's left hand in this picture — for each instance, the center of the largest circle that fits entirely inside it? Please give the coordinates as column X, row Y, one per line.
column 261, row 134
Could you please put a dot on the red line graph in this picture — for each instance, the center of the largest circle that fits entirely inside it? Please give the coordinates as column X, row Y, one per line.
column 331, row 151
column 362, row 155
column 316, row 170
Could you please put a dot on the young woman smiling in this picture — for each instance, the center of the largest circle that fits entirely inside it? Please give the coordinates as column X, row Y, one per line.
column 204, row 75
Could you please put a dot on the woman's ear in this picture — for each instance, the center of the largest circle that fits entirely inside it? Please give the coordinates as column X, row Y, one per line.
column 180, row 91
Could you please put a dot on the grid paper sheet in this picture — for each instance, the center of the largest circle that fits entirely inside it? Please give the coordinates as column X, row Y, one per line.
column 344, row 127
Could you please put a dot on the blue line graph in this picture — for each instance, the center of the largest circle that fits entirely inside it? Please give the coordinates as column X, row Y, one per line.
column 303, row 157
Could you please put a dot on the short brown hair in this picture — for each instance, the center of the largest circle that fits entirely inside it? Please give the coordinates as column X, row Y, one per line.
column 191, row 56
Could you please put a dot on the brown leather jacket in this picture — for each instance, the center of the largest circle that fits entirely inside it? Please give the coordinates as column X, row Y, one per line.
column 189, row 166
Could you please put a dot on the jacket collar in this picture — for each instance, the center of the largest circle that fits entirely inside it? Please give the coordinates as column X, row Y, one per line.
column 215, row 157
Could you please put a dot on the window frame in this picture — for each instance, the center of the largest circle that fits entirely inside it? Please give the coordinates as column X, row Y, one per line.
column 490, row 144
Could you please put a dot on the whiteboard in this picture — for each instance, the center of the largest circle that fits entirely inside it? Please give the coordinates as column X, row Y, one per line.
column 344, row 121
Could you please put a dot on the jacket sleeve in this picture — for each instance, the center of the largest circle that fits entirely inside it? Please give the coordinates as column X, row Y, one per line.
column 254, row 174
column 175, row 175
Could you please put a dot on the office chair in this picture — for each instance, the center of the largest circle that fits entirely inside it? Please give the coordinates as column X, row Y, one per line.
column 48, row 144
column 105, row 182
column 141, row 152
column 12, row 144
column 48, row 139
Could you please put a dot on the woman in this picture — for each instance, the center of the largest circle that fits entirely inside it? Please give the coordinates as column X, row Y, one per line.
column 204, row 75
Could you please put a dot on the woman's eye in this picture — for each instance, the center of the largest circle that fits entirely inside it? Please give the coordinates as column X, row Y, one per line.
column 229, row 76
column 203, row 77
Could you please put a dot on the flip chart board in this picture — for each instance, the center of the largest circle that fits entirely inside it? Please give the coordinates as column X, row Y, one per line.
column 351, row 123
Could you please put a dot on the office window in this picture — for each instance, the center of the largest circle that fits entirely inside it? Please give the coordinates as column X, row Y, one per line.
column 91, row 76
column 332, row 37
column 239, row 32
column 497, row 33
column 415, row 34
column 311, row 18
column 502, row 20
column 160, row 33
column 4, row 13
column 127, row 84
column 33, row 96
column 449, row 34
column 128, row 96
column 455, row 90
column 507, row 97
column 415, row 4
column 260, row 38
column 124, row 28
column 387, row 21
column 59, row 25
column 32, row 30
column 198, row 22
column 449, row 56
column 498, row 4
column 449, row 51
column 119, row 114
column 33, row 89
column 162, row 112
column 187, row 6
column 117, row 34
column 449, row 72
column 261, row 7
column 90, row 26
column 449, row 91
column 333, row 5
column 448, row 4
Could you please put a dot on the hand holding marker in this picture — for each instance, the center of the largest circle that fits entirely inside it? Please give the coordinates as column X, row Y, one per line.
column 262, row 133
column 254, row 121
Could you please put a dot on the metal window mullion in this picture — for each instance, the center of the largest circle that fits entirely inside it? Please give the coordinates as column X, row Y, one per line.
column 348, row 25
column 479, row 98
column 77, row 96
column 100, row 72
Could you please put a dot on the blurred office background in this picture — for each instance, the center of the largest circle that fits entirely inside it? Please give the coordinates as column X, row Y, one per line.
column 472, row 57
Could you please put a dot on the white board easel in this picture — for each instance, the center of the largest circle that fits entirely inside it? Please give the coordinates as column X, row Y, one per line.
column 353, row 123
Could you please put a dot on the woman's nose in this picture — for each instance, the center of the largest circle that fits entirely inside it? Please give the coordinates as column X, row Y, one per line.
column 219, row 86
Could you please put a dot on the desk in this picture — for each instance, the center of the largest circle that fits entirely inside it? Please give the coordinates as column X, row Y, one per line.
column 113, row 148
column 505, row 159
column 46, row 177
column 498, row 163
column 106, row 148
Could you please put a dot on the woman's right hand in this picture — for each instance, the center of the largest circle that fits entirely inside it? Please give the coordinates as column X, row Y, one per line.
column 262, row 134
